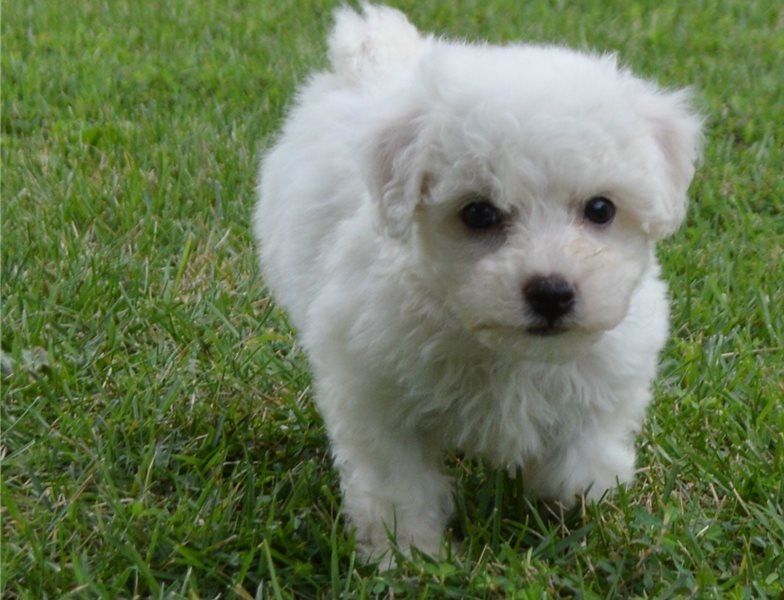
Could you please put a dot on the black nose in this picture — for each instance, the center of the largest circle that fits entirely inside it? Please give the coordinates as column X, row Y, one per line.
column 549, row 297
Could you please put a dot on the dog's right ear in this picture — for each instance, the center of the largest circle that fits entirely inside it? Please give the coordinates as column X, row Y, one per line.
column 395, row 172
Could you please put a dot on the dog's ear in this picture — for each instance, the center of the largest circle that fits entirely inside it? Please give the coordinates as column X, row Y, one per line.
column 676, row 128
column 395, row 171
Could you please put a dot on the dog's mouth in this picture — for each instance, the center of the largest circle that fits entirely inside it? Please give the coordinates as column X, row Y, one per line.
column 539, row 329
column 547, row 330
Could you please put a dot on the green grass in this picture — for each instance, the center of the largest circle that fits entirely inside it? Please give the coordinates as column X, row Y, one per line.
column 158, row 435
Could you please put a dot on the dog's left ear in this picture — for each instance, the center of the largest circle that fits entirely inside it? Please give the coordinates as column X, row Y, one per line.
column 395, row 171
column 677, row 129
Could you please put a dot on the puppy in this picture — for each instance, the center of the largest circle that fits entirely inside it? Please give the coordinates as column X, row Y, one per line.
column 464, row 237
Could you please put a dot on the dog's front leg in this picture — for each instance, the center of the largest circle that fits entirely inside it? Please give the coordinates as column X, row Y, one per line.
column 590, row 463
column 392, row 485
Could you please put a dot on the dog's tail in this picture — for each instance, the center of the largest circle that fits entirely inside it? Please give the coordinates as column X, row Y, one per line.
column 372, row 43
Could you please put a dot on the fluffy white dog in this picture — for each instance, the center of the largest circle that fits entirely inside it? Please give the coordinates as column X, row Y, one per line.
column 464, row 236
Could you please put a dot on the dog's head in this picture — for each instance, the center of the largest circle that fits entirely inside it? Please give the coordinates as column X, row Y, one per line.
column 531, row 184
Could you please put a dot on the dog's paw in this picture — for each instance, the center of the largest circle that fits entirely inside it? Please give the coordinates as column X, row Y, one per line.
column 385, row 549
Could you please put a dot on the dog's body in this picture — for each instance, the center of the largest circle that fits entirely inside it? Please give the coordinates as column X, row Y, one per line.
column 430, row 218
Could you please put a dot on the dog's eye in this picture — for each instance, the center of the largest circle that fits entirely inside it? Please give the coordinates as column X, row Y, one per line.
column 599, row 210
column 481, row 215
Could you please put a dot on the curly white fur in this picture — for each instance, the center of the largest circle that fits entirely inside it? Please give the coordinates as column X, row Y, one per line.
column 416, row 327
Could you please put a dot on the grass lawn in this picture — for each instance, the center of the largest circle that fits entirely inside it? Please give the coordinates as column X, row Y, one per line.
column 158, row 433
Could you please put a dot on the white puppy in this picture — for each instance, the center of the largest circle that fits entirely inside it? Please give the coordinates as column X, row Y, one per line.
column 464, row 236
